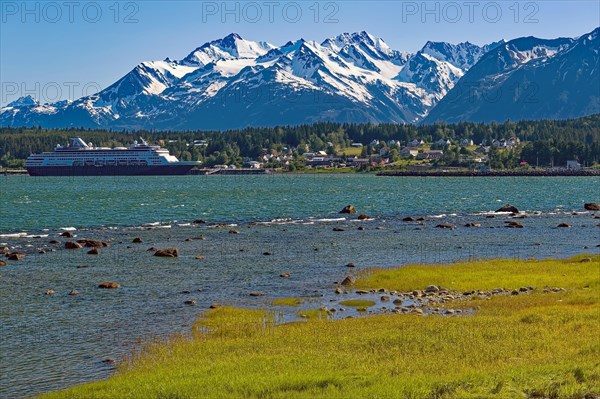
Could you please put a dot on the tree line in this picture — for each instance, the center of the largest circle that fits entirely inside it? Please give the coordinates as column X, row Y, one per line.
column 544, row 143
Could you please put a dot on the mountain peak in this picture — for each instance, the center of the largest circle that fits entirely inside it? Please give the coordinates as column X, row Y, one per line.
column 26, row 101
column 230, row 47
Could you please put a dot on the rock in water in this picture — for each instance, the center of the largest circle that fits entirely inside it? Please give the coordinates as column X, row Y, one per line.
column 167, row 253
column 2, row 263
column 445, row 226
column 93, row 251
column 93, row 243
column 349, row 280
column 592, row 206
column 15, row 256
column 109, row 285
column 363, row 217
column 137, row 240
column 508, row 208
column 349, row 209
column 564, row 225
column 514, row 225
column 72, row 245
column 67, row 234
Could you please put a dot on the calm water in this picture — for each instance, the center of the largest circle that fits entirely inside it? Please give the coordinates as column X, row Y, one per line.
column 51, row 342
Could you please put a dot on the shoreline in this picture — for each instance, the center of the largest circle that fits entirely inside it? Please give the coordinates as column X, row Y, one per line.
column 463, row 331
column 499, row 173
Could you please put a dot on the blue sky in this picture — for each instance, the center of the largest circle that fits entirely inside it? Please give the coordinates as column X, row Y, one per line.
column 55, row 50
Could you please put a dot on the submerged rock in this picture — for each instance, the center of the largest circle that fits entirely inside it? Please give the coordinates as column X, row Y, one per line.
column 473, row 225
column 564, row 225
column 338, row 229
column 445, row 226
column 256, row 293
column 109, row 285
column 349, row 209
column 167, row 253
column 514, row 225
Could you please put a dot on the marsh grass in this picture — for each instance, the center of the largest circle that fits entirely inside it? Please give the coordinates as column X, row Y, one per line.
column 539, row 345
column 287, row 302
column 357, row 303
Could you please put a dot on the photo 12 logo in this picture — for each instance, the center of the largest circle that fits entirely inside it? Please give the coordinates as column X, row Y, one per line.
column 470, row 11
column 270, row 12
column 47, row 92
column 69, row 11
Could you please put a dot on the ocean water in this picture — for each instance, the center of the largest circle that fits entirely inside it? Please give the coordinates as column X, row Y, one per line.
column 55, row 341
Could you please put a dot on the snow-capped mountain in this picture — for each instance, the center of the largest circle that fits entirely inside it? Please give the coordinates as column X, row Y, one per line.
column 528, row 78
column 233, row 82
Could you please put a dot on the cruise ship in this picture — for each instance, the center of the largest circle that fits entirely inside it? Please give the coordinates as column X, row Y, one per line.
column 81, row 159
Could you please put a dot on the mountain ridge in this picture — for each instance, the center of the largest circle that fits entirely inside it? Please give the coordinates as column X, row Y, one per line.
column 352, row 77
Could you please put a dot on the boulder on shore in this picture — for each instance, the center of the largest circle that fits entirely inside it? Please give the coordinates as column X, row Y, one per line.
column 167, row 253
column 109, row 285
column 592, row 206
column 349, row 209
column 73, row 245
column 508, row 208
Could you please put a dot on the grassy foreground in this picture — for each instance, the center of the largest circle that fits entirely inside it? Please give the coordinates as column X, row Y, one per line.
column 538, row 345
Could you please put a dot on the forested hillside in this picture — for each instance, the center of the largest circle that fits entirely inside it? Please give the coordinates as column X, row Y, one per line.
column 543, row 142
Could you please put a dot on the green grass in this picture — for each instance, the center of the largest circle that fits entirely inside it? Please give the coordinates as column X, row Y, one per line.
column 312, row 314
column 287, row 302
column 349, row 151
column 527, row 346
column 357, row 303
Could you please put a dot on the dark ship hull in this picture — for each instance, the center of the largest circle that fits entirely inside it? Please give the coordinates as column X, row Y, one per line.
column 160, row 170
